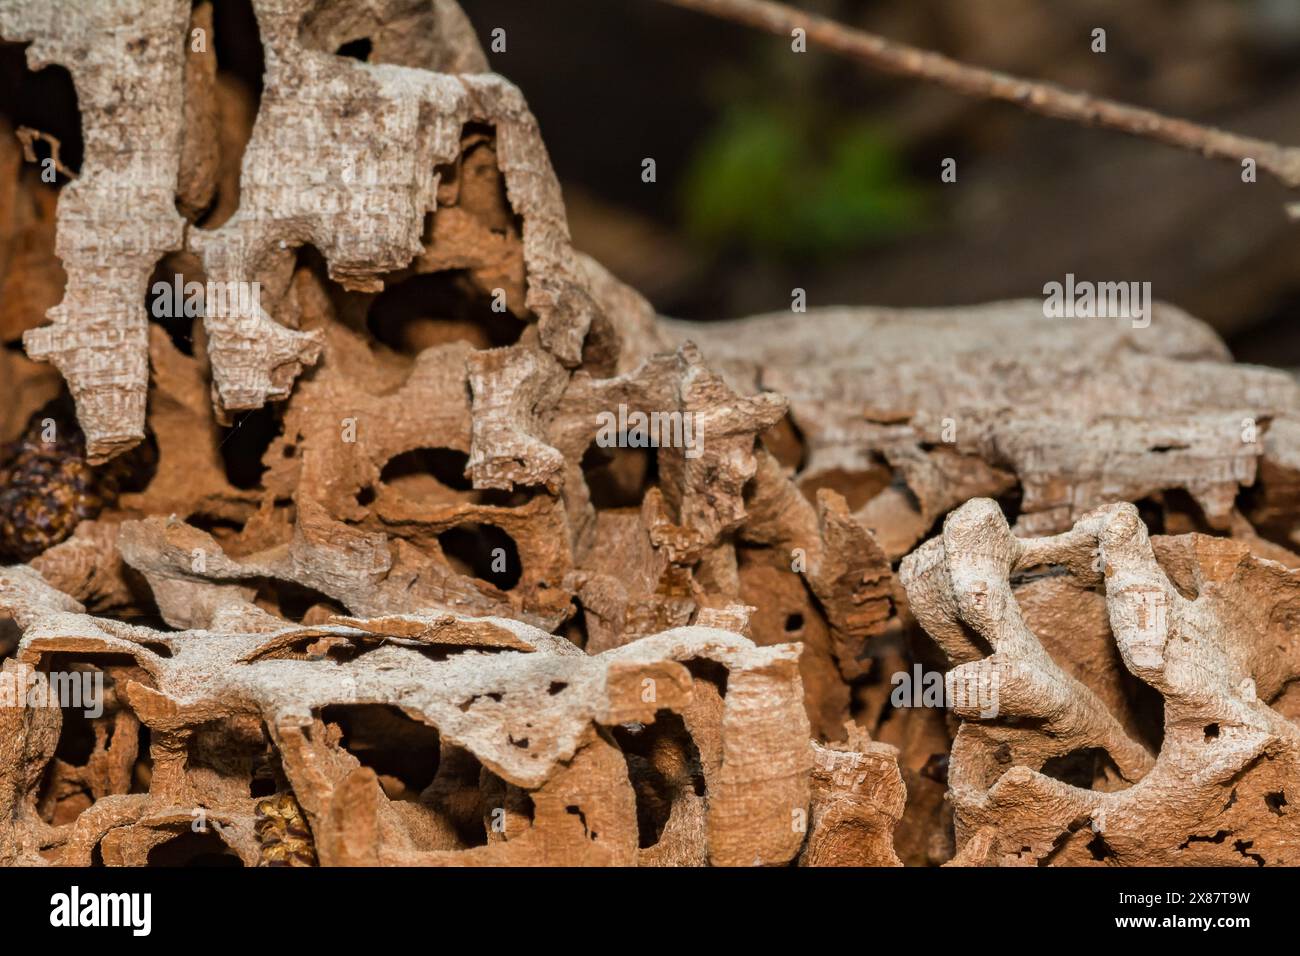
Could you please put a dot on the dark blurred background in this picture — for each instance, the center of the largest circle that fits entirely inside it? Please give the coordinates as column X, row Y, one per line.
column 778, row 170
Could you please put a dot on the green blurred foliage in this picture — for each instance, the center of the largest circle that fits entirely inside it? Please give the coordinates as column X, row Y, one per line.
column 778, row 183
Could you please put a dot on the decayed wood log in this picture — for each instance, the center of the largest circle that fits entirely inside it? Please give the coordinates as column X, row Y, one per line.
column 438, row 546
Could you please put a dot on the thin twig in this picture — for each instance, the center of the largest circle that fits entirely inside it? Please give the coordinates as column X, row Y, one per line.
column 1048, row 99
column 29, row 137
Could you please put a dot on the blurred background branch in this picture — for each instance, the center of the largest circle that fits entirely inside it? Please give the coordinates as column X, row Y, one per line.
column 1048, row 99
